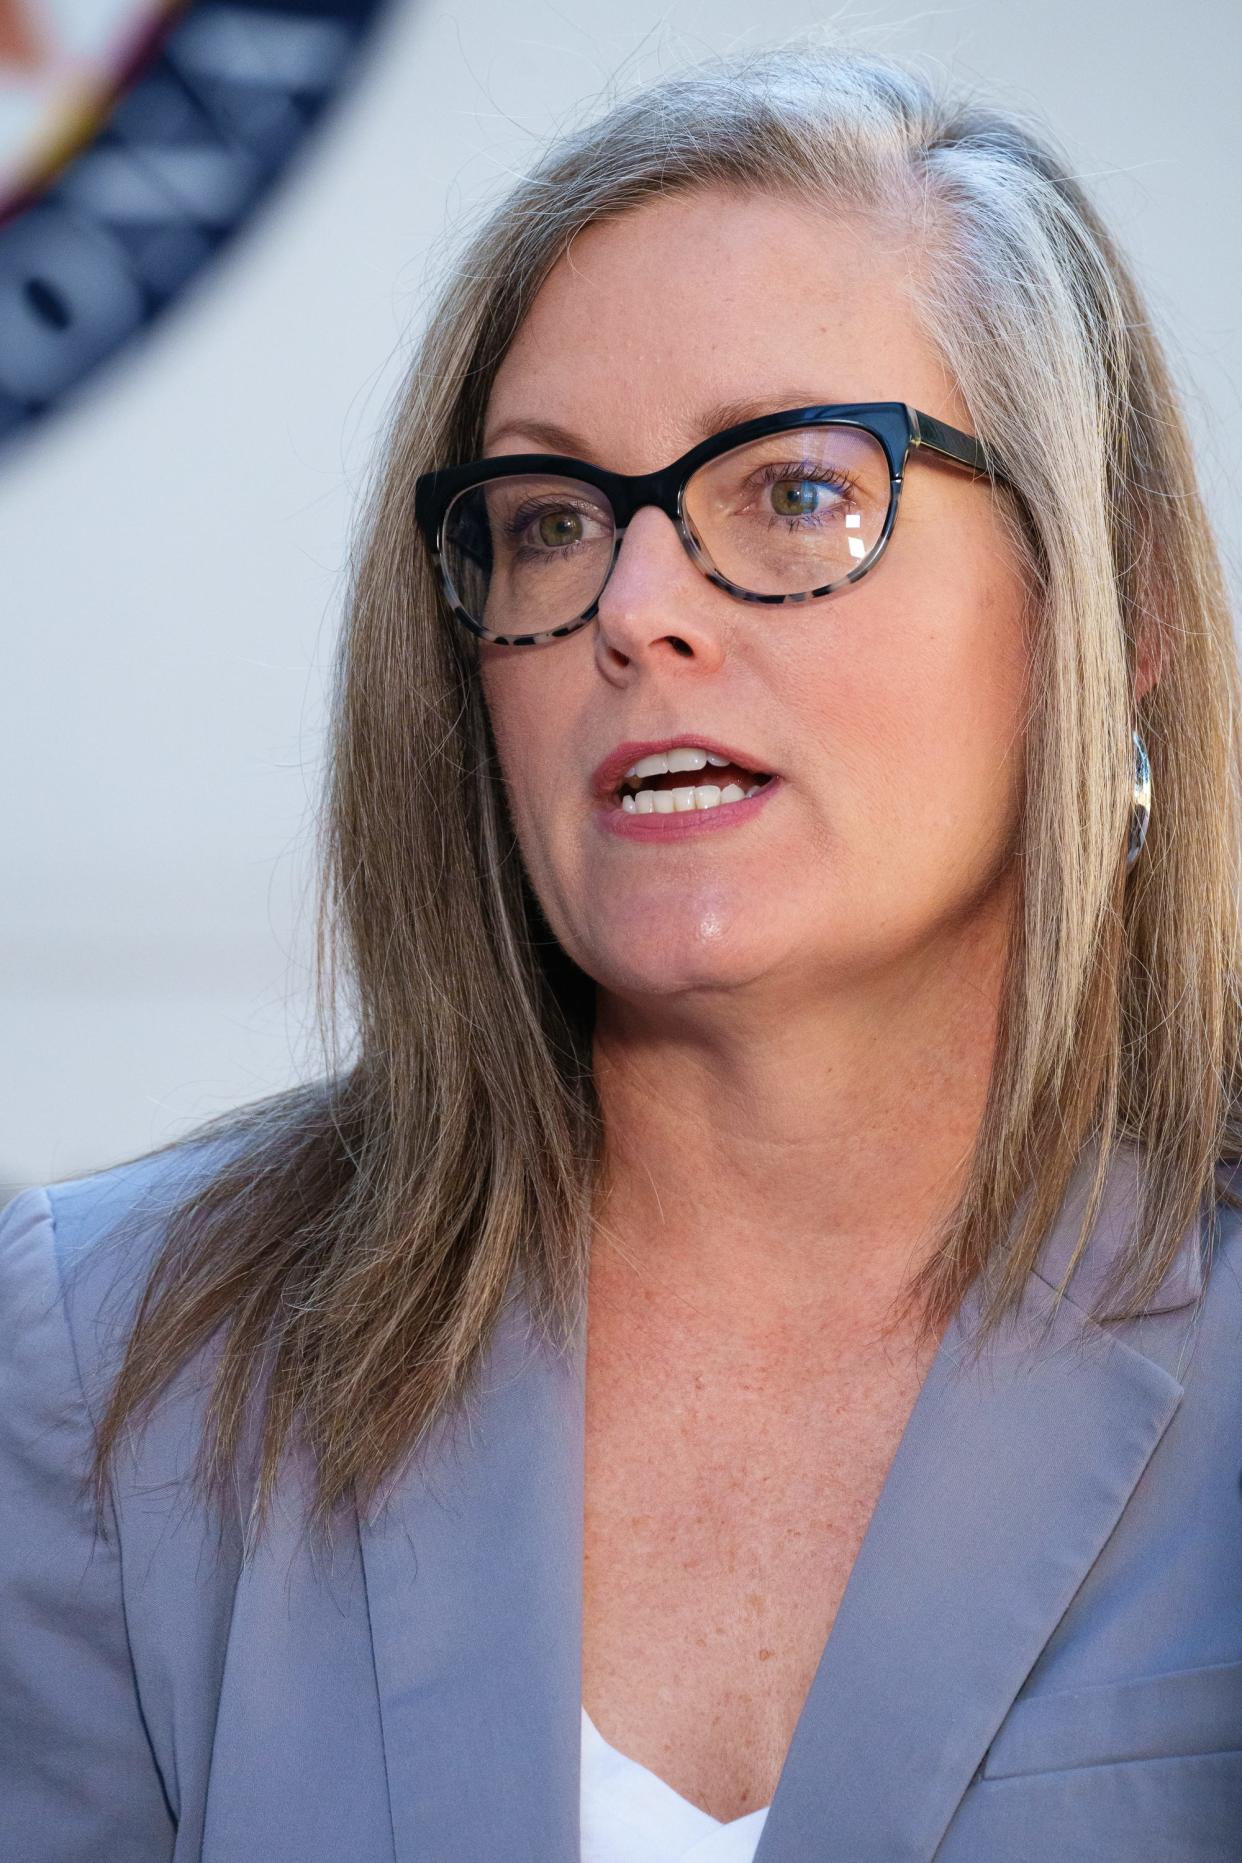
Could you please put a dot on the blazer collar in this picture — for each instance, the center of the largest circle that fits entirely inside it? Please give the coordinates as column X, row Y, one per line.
column 1009, row 1478
column 1111, row 1231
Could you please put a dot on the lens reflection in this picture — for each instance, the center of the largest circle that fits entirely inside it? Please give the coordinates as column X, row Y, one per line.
column 793, row 511
column 787, row 514
column 528, row 553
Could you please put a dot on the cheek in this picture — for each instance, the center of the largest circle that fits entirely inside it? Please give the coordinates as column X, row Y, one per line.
column 515, row 690
column 510, row 697
column 922, row 705
column 533, row 704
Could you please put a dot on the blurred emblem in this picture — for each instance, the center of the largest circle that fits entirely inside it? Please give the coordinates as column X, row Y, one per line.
column 135, row 139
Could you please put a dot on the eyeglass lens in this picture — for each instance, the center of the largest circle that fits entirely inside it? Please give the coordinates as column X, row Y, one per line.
column 781, row 515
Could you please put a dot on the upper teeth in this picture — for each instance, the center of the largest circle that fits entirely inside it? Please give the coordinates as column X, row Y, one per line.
column 682, row 757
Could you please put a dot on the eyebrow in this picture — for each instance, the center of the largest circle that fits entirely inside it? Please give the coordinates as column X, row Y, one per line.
column 711, row 420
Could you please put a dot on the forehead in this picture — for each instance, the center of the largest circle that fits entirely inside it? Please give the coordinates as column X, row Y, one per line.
column 692, row 301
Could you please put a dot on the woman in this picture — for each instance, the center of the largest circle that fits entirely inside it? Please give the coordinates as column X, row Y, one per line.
column 743, row 1358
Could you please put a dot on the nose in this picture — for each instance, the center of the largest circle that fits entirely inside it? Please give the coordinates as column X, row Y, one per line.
column 656, row 602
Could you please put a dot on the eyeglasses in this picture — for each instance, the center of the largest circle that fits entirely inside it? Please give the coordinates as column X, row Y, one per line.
column 788, row 507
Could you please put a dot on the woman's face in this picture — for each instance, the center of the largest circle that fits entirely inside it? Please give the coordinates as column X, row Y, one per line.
column 891, row 712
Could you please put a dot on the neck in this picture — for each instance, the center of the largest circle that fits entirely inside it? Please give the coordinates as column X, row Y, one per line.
column 772, row 1153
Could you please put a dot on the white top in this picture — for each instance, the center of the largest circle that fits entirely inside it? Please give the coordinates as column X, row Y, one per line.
column 630, row 1815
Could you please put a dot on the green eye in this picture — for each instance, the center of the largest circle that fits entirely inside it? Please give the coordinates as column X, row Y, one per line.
column 795, row 497
column 557, row 528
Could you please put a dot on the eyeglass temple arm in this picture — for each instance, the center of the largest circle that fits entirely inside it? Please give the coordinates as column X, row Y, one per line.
column 951, row 443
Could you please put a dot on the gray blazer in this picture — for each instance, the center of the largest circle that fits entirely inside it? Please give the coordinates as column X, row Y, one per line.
column 1038, row 1656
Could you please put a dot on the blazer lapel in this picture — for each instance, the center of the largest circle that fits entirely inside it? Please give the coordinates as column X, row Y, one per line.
column 1010, row 1476
column 474, row 1593
column 1008, row 1480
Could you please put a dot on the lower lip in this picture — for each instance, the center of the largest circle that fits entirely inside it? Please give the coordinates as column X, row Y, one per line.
column 613, row 819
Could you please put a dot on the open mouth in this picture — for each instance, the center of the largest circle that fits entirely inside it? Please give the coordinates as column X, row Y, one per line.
column 675, row 781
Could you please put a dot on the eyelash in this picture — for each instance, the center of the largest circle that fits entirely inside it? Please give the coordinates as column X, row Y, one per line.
column 515, row 527
column 774, row 474
column 777, row 473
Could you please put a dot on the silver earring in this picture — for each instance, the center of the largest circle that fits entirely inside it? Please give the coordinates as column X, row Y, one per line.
column 1142, row 802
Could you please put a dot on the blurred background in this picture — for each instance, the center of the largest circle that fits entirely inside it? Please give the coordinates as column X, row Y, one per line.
column 219, row 228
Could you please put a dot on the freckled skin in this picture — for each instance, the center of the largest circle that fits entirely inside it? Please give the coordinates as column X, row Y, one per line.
column 890, row 709
column 792, row 1016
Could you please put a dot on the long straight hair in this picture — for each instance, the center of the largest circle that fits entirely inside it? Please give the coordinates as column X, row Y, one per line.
column 346, row 1251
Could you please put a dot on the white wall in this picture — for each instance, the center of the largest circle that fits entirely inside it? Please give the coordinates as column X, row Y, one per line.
column 173, row 547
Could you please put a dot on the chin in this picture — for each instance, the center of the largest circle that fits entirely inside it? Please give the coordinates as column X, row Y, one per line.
column 673, row 961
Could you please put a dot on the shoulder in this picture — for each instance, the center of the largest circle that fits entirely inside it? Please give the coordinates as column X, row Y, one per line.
column 1200, row 1343
column 1228, row 1180
column 109, row 1677
column 1221, row 1248
column 75, row 1257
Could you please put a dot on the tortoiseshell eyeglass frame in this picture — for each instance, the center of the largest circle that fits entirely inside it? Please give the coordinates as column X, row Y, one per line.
column 894, row 424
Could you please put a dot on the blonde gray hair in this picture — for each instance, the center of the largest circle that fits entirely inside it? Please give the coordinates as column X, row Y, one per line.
column 355, row 1238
